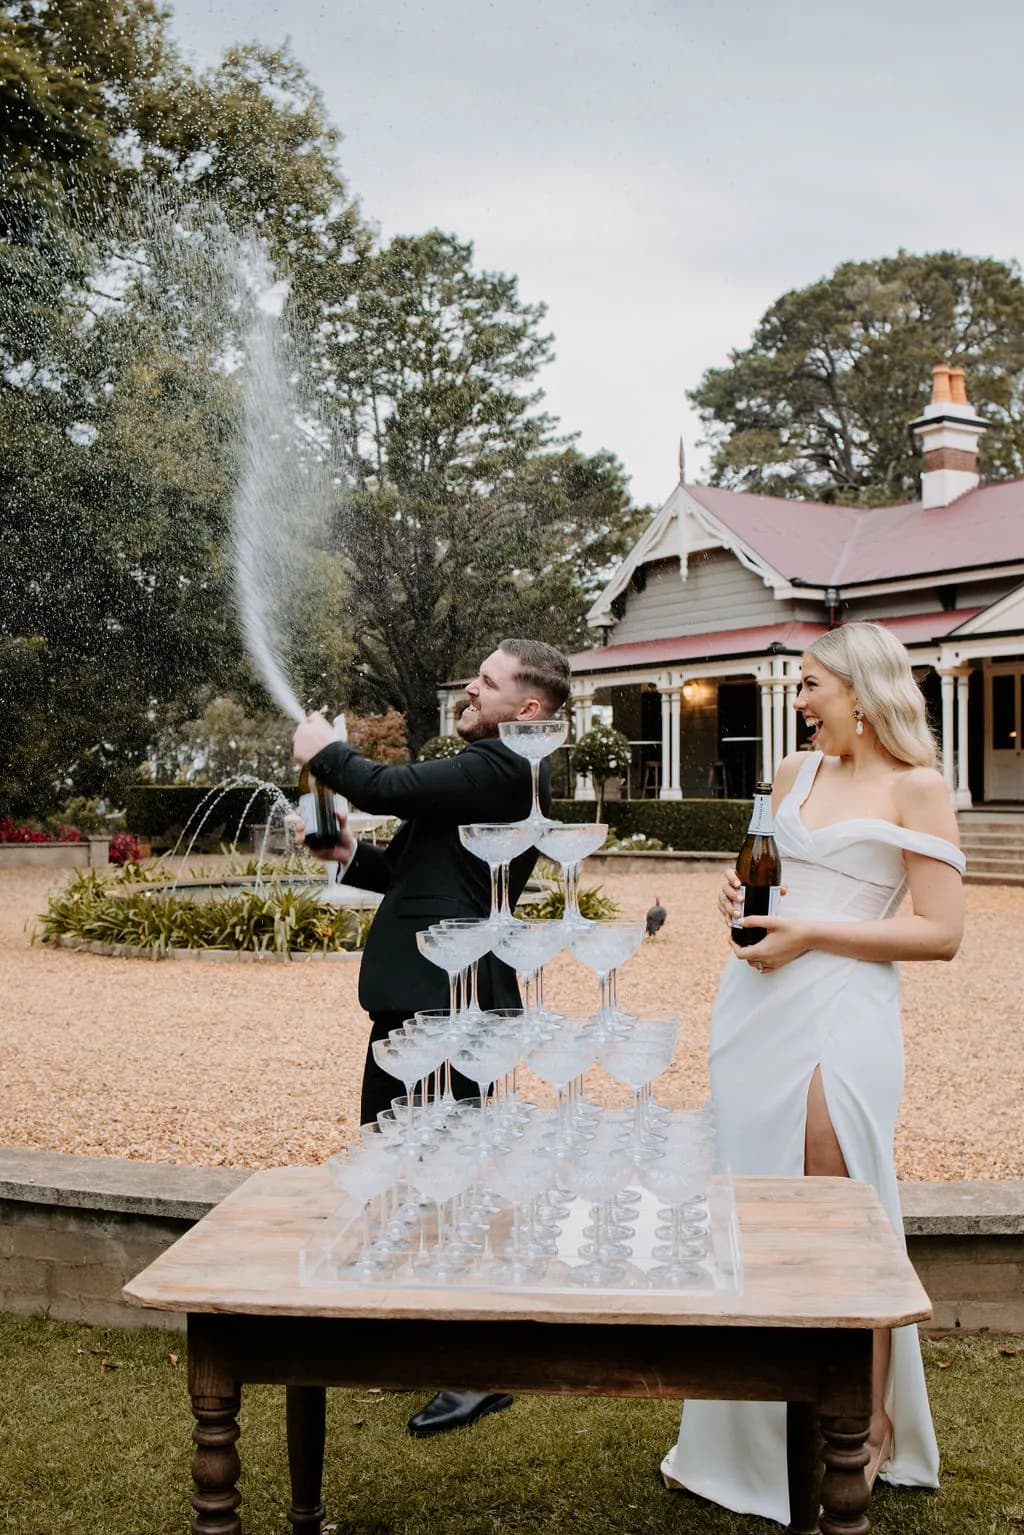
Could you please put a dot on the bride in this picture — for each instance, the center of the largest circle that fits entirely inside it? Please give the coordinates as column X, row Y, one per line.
column 806, row 1055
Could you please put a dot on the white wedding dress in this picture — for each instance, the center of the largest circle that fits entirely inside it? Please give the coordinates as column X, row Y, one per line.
column 768, row 1033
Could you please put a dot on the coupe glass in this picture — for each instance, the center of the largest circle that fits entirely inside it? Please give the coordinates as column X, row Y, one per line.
column 485, row 1057
column 678, row 1179
column 567, row 843
column 406, row 1055
column 476, row 937
column 445, row 1168
column 637, row 1052
column 564, row 1051
column 534, row 740
column 518, row 1175
column 596, row 1176
column 603, row 947
column 444, row 950
column 528, row 948
column 364, row 1170
column 497, row 843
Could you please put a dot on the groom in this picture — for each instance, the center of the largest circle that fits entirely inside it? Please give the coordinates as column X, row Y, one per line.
column 425, row 875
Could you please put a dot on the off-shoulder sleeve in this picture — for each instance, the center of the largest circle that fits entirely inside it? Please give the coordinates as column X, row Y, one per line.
column 902, row 837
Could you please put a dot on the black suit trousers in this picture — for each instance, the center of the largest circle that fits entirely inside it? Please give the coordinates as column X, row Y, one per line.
column 379, row 1087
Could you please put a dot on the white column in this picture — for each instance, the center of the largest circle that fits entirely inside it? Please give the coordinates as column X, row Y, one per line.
column 674, row 789
column 582, row 718
column 791, row 689
column 778, row 716
column 765, row 684
column 963, row 788
column 947, row 729
column 666, row 738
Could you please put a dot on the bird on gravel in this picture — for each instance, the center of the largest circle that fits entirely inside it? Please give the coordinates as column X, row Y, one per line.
column 656, row 918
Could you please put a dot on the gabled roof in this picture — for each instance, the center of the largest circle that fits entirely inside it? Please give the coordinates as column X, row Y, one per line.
column 780, row 639
column 845, row 546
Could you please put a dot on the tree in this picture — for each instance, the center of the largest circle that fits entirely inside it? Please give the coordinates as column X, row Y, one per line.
column 819, row 404
column 467, row 519
column 117, row 413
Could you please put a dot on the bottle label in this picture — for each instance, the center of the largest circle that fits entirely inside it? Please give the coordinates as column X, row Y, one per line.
column 758, row 900
column 307, row 811
column 762, row 823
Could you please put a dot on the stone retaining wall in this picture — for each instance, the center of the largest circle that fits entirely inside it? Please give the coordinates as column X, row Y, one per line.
column 74, row 1230
column 90, row 853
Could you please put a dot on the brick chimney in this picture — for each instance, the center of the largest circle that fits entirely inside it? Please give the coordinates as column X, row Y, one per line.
column 950, row 431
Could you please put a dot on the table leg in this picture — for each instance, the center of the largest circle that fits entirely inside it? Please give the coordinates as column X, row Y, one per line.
column 844, row 1488
column 306, row 1414
column 803, row 1466
column 215, row 1465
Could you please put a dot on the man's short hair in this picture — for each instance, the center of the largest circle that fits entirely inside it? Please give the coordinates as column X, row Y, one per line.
column 541, row 667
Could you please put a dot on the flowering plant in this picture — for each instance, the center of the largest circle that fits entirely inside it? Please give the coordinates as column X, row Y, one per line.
column 124, row 849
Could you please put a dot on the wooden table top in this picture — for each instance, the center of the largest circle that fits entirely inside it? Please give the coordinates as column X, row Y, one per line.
column 817, row 1252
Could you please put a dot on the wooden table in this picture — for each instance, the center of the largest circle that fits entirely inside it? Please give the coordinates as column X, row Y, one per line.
column 822, row 1268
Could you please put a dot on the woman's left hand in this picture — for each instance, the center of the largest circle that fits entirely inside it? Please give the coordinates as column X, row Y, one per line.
column 785, row 939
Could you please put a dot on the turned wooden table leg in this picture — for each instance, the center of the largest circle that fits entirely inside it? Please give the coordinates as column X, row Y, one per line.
column 306, row 1412
column 215, row 1466
column 845, row 1402
column 803, row 1466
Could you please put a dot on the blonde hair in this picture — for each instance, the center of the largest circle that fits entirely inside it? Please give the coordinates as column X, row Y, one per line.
column 877, row 667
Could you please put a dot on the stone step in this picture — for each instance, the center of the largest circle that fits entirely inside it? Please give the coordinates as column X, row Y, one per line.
column 994, row 865
column 970, row 878
column 972, row 839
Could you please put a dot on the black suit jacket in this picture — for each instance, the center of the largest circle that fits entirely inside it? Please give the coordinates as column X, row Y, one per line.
column 425, row 873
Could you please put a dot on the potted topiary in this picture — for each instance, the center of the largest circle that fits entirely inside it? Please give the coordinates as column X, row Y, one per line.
column 604, row 753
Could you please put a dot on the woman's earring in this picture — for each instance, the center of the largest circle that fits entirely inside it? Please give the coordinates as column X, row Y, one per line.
column 858, row 714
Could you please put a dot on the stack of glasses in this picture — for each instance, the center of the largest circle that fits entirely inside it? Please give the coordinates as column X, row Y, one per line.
column 477, row 1190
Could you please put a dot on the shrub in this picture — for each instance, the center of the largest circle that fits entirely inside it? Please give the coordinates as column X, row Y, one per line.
column 441, row 746
column 119, row 909
column 632, row 842
column 381, row 737
column 550, row 904
column 692, row 825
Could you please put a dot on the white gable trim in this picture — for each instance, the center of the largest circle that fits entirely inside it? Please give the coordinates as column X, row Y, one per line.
column 681, row 528
column 997, row 618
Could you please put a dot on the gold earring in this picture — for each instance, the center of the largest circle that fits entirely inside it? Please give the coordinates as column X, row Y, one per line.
column 858, row 714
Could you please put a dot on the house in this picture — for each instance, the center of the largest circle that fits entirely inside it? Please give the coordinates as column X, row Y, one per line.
column 702, row 626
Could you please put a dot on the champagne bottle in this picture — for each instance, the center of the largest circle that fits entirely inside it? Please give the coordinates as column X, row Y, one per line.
column 759, row 868
column 316, row 810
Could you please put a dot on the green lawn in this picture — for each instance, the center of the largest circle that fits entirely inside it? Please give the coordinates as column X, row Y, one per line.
column 94, row 1439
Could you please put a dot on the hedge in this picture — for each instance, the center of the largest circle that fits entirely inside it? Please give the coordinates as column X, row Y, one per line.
column 159, row 812
column 687, row 825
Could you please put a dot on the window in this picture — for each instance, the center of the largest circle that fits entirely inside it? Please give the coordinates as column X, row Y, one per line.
column 1004, row 716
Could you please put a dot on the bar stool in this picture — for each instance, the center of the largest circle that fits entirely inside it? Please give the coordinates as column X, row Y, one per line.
column 718, row 780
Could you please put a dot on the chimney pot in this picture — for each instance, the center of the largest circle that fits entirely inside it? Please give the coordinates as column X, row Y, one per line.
column 941, row 391
column 958, row 386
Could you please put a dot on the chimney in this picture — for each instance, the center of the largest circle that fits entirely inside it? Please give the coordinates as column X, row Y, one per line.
column 950, row 431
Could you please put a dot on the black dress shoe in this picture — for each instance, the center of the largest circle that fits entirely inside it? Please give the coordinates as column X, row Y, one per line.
column 455, row 1409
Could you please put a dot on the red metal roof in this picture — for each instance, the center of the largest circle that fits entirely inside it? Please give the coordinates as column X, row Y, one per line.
column 788, row 639
column 844, row 545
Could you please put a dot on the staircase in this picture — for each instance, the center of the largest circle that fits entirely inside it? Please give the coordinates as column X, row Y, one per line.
column 993, row 841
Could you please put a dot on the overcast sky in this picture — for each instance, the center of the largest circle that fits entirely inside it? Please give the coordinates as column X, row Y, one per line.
column 658, row 171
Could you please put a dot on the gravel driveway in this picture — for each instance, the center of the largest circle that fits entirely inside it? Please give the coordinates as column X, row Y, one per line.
column 253, row 1065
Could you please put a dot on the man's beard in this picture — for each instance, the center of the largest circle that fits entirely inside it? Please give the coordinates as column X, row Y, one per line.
column 476, row 728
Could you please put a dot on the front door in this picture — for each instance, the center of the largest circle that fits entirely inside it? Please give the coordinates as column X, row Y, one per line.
column 1004, row 731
